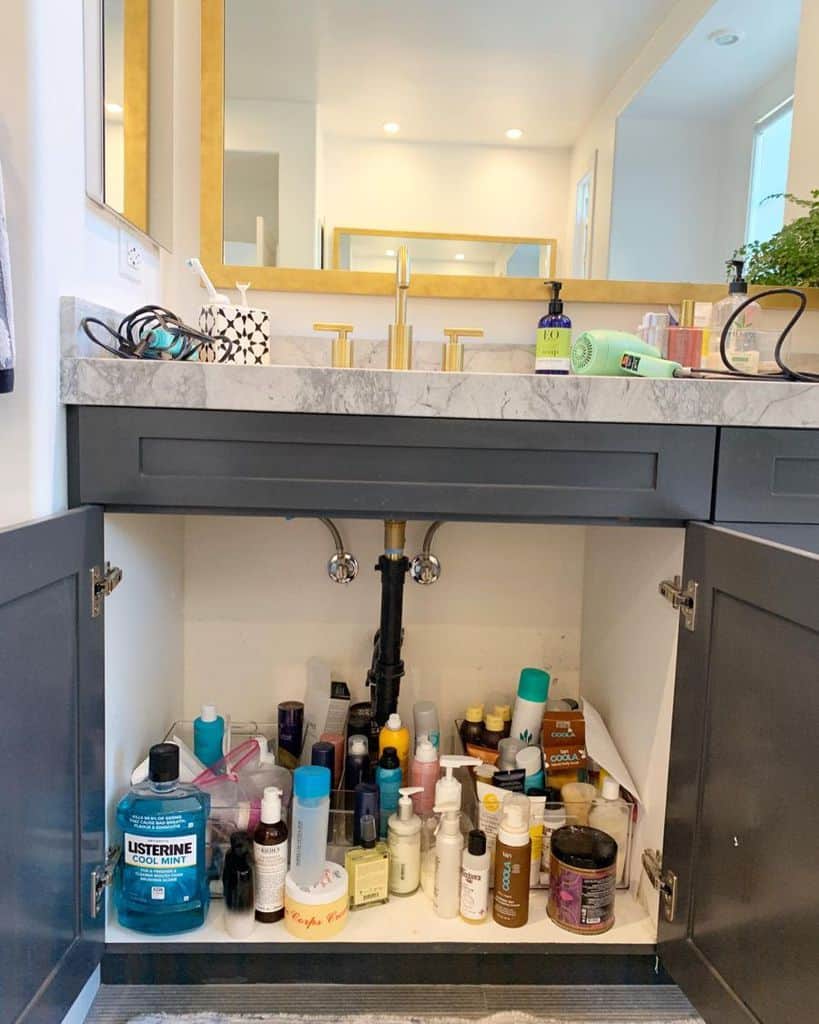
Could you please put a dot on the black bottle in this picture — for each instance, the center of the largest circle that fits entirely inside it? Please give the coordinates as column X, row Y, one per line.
column 237, row 881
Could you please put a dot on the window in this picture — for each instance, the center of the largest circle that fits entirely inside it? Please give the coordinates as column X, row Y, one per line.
column 769, row 173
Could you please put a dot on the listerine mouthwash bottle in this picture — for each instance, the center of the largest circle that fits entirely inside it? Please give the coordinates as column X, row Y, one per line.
column 162, row 884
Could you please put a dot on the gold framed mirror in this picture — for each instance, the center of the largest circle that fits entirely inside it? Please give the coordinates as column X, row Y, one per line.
column 274, row 73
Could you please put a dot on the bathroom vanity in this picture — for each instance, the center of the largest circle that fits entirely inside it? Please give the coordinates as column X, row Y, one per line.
column 712, row 681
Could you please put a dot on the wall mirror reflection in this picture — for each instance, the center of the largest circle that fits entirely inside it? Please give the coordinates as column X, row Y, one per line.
column 630, row 141
column 703, row 149
column 129, row 120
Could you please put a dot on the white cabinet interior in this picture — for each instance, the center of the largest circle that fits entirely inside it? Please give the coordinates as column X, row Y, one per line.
column 229, row 609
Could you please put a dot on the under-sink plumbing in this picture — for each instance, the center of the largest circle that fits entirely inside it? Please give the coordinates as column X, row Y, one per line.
column 342, row 567
column 426, row 568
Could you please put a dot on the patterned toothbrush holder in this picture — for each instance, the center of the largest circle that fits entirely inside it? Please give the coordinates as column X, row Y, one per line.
column 241, row 334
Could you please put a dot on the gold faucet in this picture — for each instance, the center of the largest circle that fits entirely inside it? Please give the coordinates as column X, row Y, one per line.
column 399, row 347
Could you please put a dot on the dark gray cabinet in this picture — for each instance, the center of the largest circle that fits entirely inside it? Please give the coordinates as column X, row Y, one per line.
column 180, row 460
column 742, row 820
column 741, row 823
column 52, row 756
column 767, row 476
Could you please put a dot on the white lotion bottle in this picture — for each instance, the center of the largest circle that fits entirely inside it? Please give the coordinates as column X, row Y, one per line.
column 475, row 866
column 404, row 844
column 610, row 813
column 449, row 845
column 530, row 703
column 448, row 794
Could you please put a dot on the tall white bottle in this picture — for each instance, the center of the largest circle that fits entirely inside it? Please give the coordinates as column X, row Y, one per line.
column 449, row 845
column 611, row 814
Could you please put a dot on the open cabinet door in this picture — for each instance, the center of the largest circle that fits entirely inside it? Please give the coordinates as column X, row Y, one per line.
column 52, row 757
column 742, row 821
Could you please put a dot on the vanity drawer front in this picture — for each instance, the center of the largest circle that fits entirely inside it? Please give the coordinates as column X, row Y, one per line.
column 768, row 476
column 237, row 462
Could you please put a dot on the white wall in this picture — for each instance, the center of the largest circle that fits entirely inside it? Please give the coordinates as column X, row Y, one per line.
column 289, row 129
column 482, row 190
column 736, row 153
column 666, row 198
column 60, row 244
column 599, row 135
column 258, row 603
column 803, row 173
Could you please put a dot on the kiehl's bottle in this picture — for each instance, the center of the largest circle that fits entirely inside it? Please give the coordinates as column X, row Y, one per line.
column 270, row 858
column 162, row 884
column 513, row 854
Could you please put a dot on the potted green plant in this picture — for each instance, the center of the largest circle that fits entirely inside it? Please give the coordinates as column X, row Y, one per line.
column 791, row 256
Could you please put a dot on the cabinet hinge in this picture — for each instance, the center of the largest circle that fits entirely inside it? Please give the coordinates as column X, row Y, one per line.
column 103, row 582
column 684, row 599
column 102, row 877
column 665, row 882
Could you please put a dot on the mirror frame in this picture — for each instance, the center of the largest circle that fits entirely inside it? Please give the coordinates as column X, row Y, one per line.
column 356, row 282
column 443, row 236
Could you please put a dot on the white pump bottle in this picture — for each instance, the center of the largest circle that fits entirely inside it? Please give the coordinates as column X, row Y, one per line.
column 449, row 838
column 404, row 843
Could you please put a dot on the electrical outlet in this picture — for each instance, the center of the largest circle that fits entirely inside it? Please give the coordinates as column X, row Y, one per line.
column 131, row 256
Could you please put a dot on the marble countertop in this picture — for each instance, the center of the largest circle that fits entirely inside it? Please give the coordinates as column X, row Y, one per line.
column 87, row 379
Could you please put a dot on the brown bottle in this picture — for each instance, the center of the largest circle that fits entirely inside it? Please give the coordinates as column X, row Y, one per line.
column 270, row 858
column 510, row 904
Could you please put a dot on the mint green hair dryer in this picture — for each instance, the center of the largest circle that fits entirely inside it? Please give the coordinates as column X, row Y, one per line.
column 619, row 354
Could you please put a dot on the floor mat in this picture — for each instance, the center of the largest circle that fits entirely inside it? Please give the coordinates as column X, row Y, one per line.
column 509, row 1017
column 385, row 1004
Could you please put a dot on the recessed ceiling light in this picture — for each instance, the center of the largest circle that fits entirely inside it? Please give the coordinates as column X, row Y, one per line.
column 724, row 37
column 392, row 127
column 389, row 252
column 459, row 256
column 514, row 133
column 113, row 108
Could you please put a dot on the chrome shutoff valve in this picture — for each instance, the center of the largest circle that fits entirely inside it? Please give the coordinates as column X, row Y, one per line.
column 342, row 567
column 425, row 569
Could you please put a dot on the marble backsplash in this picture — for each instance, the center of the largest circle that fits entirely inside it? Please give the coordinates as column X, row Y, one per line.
column 314, row 350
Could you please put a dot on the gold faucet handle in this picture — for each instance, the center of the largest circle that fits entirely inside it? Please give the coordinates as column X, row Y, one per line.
column 453, row 358
column 342, row 353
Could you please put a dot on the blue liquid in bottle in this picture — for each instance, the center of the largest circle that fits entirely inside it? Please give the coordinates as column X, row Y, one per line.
column 161, row 881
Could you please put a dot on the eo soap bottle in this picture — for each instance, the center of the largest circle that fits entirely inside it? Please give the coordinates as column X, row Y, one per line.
column 554, row 337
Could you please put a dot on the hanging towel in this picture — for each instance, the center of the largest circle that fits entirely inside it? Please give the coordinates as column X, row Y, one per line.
column 6, row 310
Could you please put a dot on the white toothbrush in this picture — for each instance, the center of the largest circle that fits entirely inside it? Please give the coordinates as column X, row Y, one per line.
column 215, row 298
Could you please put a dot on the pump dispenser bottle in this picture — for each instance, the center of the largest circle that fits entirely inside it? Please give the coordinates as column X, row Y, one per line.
column 735, row 343
column 270, row 858
column 513, row 850
column 424, row 776
column 448, row 795
column 554, row 337
column 449, row 844
column 404, row 844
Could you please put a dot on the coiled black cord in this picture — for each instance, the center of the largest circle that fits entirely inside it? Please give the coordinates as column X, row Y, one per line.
column 786, row 372
column 135, row 337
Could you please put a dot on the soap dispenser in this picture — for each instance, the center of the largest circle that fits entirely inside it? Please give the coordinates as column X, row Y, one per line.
column 720, row 314
column 448, row 796
column 404, row 844
column 554, row 337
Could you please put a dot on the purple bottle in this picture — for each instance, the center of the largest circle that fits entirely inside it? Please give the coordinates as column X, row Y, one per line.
column 554, row 337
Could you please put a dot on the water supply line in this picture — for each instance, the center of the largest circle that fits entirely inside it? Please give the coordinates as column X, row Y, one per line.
column 426, row 568
column 342, row 567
